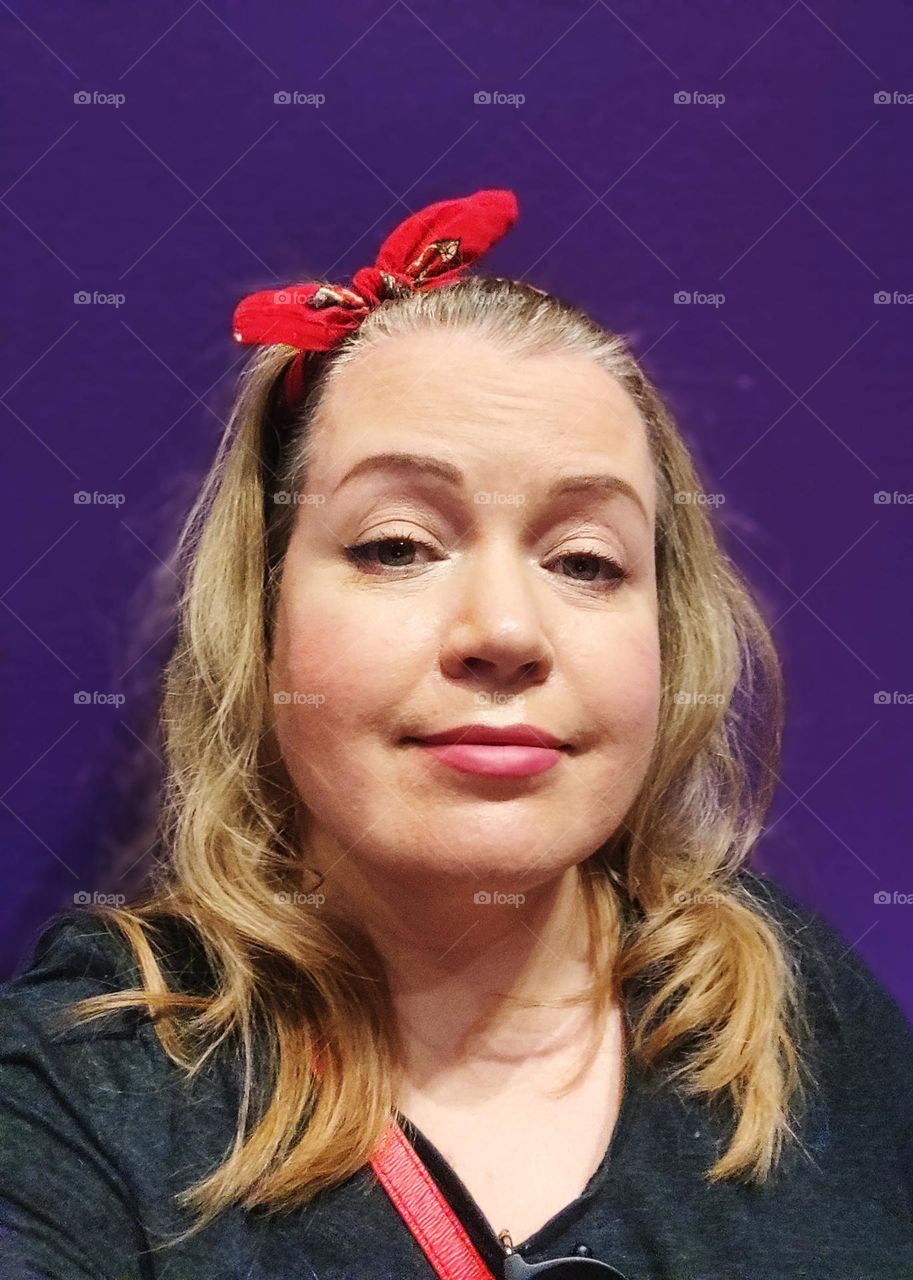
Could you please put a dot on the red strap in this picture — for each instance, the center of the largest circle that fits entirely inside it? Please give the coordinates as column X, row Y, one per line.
column 422, row 1206
column 427, row 1214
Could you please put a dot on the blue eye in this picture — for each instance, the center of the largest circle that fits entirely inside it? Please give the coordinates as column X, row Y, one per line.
column 361, row 555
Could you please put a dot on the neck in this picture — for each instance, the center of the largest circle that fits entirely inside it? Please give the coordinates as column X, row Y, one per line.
column 456, row 968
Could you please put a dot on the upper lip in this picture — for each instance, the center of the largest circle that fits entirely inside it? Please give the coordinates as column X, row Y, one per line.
column 521, row 735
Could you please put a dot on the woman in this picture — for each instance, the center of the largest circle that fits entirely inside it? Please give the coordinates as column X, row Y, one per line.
column 456, row 965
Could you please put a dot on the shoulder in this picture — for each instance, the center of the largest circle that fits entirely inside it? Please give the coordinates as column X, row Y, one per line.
column 111, row 1071
column 82, row 945
column 97, row 1122
column 74, row 945
column 76, row 955
column 859, row 1046
column 834, row 973
column 861, row 1038
column 99, row 1129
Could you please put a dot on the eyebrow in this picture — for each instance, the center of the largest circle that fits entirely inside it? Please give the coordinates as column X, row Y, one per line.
column 447, row 472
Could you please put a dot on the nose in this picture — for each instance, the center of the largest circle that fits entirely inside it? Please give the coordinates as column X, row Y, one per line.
column 495, row 631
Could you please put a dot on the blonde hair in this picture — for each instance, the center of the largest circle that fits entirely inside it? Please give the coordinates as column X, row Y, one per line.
column 665, row 901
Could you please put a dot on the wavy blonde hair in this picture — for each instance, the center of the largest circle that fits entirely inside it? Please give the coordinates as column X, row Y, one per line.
column 665, row 902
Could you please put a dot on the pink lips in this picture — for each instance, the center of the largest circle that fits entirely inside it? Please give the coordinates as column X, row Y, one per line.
column 514, row 751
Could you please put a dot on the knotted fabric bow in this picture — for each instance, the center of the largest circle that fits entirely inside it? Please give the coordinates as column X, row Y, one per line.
column 429, row 249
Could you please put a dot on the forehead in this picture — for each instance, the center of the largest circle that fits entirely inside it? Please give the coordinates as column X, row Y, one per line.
column 460, row 393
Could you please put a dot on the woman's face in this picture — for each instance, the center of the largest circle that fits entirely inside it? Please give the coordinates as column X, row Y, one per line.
column 491, row 606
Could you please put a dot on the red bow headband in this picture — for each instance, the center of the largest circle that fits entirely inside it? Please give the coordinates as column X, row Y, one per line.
column 429, row 249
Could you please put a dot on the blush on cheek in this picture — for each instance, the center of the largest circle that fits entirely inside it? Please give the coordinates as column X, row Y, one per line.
column 619, row 680
column 643, row 678
column 346, row 677
column 308, row 676
column 318, row 643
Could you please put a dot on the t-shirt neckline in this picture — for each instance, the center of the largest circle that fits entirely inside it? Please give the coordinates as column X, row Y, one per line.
column 482, row 1233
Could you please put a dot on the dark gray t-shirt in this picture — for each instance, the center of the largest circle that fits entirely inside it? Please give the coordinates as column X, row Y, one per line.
column 98, row 1131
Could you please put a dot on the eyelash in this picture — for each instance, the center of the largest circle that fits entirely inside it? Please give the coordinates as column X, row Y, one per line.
column 620, row 575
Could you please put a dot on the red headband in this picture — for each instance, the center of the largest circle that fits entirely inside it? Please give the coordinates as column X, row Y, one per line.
column 430, row 248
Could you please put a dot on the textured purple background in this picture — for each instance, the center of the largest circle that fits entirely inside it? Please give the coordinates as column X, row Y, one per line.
column 792, row 198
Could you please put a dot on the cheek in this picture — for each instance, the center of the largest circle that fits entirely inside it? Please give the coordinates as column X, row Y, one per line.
column 341, row 667
column 617, row 679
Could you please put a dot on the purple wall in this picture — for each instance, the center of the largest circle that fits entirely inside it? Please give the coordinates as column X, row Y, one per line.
column 791, row 198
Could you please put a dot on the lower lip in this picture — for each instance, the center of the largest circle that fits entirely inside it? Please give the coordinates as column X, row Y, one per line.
column 504, row 761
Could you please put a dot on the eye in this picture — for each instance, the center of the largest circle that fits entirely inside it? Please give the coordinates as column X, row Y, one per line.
column 397, row 549
column 615, row 574
column 360, row 553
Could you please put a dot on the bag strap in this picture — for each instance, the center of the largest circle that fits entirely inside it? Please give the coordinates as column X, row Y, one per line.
column 421, row 1204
